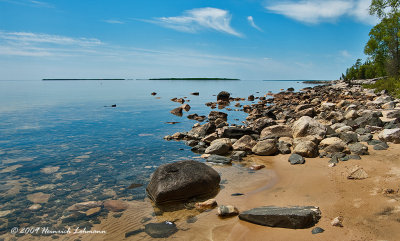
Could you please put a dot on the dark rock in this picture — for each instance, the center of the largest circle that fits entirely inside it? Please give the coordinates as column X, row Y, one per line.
column 177, row 111
column 217, row 114
column 191, row 143
column 317, row 230
column 182, row 180
column 219, row 159
column 153, row 93
column 195, row 93
column 200, row 149
column 250, row 98
column 134, row 232
column 201, row 131
column 349, row 137
column 362, row 131
column 235, row 132
column 223, row 95
column 371, row 119
column 365, row 138
column 259, row 124
column 290, row 89
column 296, row 159
column 381, row 146
column 284, row 217
column 334, row 160
column 135, row 185
column 350, row 157
column 238, row 155
column 358, row 148
column 160, row 230
column 237, row 194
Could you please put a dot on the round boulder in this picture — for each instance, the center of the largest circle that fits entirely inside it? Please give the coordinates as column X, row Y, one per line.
column 182, row 180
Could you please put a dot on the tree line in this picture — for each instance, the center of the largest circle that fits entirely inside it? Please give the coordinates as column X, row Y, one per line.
column 383, row 46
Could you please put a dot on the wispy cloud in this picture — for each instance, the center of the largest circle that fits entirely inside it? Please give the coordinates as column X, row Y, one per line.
column 250, row 19
column 113, row 21
column 30, row 3
column 317, row 11
column 28, row 38
column 345, row 54
column 195, row 20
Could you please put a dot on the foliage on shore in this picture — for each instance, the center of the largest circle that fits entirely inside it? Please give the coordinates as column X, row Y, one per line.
column 390, row 84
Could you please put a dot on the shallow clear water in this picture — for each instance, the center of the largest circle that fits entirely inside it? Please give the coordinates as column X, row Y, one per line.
column 96, row 151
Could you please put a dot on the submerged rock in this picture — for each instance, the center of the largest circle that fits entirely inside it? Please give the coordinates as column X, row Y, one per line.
column 115, row 205
column 219, row 159
column 182, row 180
column 284, row 217
column 160, row 230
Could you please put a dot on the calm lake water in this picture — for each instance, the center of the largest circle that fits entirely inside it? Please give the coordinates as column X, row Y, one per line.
column 57, row 138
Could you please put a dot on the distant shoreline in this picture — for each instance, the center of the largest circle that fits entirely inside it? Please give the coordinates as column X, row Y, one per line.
column 77, row 79
column 192, row 79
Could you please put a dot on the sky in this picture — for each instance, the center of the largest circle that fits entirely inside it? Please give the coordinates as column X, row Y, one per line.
column 246, row 39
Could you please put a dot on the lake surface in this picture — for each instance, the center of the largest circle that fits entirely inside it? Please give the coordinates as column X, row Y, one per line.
column 59, row 142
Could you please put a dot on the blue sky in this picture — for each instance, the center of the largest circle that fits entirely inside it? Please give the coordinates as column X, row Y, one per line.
column 247, row 39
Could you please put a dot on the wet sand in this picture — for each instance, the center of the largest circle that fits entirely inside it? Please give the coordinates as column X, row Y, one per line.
column 368, row 213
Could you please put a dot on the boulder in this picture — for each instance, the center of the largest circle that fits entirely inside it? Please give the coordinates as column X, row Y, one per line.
column 306, row 149
column 276, row 131
column 284, row 147
column 265, row 148
column 259, row 124
column 235, row 132
column 177, row 111
column 182, row 180
column 307, row 126
column 185, row 107
column 217, row 159
column 219, row 146
column 223, row 95
column 201, row 131
column 371, row 119
column 217, row 114
column 349, row 137
column 296, row 159
column 390, row 135
column 283, row 217
column 245, row 143
column 358, row 149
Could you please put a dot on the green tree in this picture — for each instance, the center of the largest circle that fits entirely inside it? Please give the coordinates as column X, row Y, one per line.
column 384, row 45
column 384, row 8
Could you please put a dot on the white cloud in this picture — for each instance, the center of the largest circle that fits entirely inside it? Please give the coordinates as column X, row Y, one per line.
column 29, row 38
column 317, row 11
column 250, row 19
column 195, row 20
column 345, row 54
column 113, row 21
column 29, row 3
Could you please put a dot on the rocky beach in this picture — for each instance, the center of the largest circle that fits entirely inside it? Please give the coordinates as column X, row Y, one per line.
column 318, row 164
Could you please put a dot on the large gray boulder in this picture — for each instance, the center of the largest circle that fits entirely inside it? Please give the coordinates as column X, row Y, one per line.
column 182, row 180
column 219, row 147
column 306, row 126
column 283, row 217
column 371, row 119
column 391, row 135
column 265, row 148
column 276, row 131
column 236, row 132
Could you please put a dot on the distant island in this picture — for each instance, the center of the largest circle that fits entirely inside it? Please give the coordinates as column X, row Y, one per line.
column 193, row 79
column 79, row 79
column 317, row 81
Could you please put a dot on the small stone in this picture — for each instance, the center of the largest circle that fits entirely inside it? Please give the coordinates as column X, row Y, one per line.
column 186, row 107
column 228, row 210
column 332, row 165
column 38, row 197
column 153, row 93
column 337, row 222
column 209, row 204
column 317, row 230
column 296, row 159
column 35, row 207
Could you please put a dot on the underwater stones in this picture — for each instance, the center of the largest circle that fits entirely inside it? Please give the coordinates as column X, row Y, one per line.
column 38, row 197
column 35, row 207
column 160, row 230
column 49, row 170
column 217, row 159
column 182, row 180
column 93, row 211
column 85, row 205
column 177, row 111
column 115, row 205
column 295, row 217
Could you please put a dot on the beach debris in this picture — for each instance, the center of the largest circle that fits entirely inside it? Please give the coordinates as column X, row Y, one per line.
column 209, row 204
column 227, row 211
column 257, row 167
column 357, row 172
column 337, row 222
column 295, row 217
